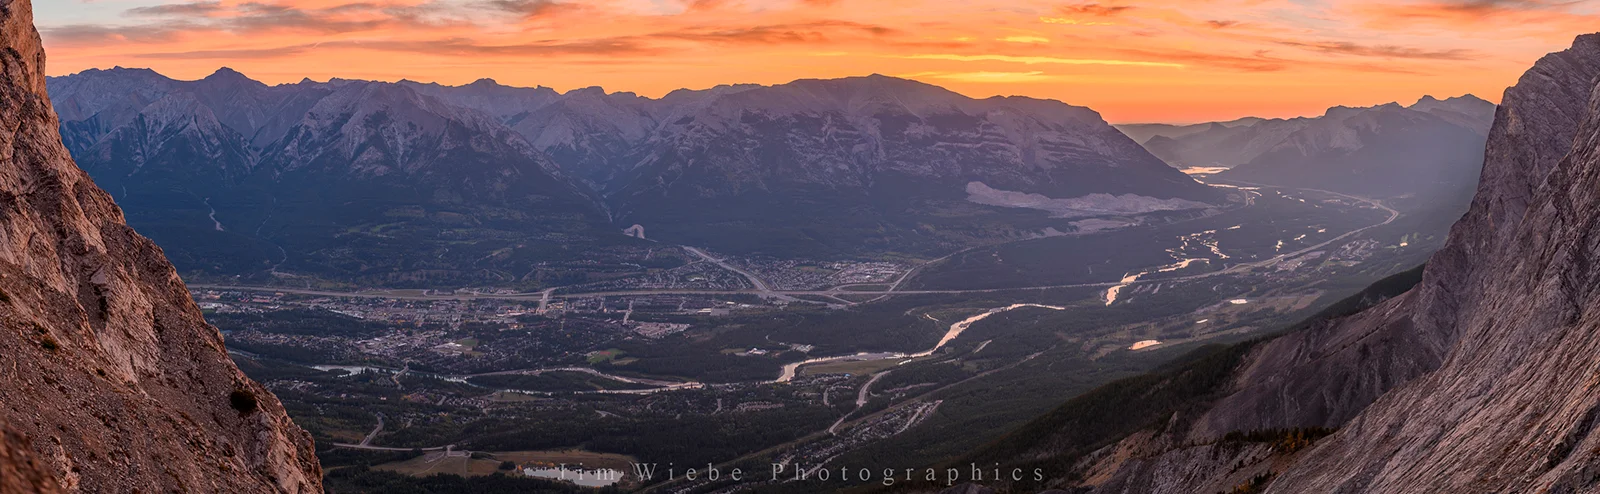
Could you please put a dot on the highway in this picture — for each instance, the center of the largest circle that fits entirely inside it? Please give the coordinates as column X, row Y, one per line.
column 756, row 281
column 367, row 441
column 762, row 288
column 861, row 400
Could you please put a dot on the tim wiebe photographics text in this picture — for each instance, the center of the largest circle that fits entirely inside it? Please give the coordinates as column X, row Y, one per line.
column 648, row 472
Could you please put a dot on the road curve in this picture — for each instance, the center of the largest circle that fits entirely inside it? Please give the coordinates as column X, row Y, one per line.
column 761, row 286
column 763, row 289
column 367, row 441
column 861, row 400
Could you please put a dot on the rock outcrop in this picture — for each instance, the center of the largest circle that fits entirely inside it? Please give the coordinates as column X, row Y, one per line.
column 111, row 372
column 1513, row 404
column 1481, row 378
column 1424, row 383
column 20, row 470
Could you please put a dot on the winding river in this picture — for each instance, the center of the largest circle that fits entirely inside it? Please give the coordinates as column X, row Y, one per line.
column 658, row 386
column 1111, row 293
column 790, row 371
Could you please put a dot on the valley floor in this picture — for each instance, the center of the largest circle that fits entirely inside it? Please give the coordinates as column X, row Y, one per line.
column 890, row 365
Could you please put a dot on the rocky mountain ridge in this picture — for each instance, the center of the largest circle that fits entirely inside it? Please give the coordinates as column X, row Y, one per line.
column 1431, row 148
column 1422, row 159
column 111, row 372
column 877, row 159
column 865, row 164
column 1242, row 141
column 1477, row 379
column 1508, row 303
column 1143, row 132
column 235, row 177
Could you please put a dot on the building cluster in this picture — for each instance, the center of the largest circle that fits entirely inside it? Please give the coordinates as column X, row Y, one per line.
column 818, row 275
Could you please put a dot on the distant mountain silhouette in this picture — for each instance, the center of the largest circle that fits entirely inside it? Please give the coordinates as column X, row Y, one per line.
column 238, row 177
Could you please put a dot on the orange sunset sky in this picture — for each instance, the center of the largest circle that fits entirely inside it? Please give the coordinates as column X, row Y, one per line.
column 1134, row 61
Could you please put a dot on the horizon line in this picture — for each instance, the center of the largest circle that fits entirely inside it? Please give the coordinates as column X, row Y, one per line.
column 330, row 80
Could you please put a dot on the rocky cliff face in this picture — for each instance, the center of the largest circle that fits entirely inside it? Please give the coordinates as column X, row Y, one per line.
column 1480, row 379
column 111, row 372
column 20, row 470
column 1430, row 359
column 1513, row 404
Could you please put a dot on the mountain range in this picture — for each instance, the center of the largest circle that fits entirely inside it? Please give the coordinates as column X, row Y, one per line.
column 485, row 181
column 1472, row 374
column 1143, row 132
column 1380, row 151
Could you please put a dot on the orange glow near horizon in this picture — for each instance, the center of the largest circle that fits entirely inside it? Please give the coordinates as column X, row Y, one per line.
column 1133, row 61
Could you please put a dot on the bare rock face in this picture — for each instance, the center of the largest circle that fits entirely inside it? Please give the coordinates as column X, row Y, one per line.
column 111, row 371
column 1514, row 403
column 1481, row 378
column 20, row 470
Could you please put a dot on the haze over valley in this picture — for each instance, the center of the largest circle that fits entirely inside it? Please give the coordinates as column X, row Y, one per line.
column 237, row 178
column 859, row 283
column 409, row 249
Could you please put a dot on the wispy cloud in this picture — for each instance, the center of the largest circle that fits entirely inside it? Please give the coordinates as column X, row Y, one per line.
column 230, row 54
column 1025, row 39
column 1257, row 61
column 178, row 9
column 983, row 77
column 1380, row 51
column 1479, row 8
column 806, row 32
column 1094, row 9
column 97, row 34
column 1027, row 60
column 258, row 17
column 1497, row 17
column 1086, row 14
column 1119, row 56
column 1074, row 22
column 445, row 47
column 530, row 8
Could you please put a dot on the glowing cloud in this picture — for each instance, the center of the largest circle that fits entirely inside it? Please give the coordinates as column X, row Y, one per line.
column 984, row 77
column 1041, row 60
column 1073, row 22
column 1131, row 60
